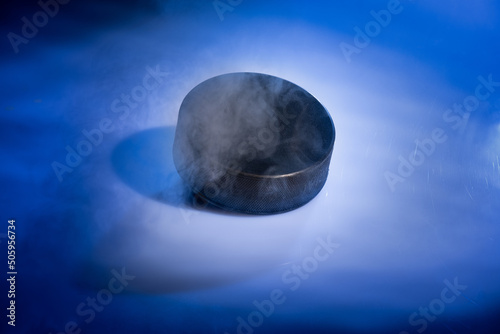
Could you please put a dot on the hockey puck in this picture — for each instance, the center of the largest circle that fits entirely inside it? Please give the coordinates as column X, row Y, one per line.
column 253, row 143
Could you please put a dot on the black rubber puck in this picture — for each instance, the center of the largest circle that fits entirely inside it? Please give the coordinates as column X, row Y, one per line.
column 253, row 143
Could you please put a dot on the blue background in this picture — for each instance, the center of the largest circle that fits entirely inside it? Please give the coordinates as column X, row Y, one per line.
column 197, row 269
